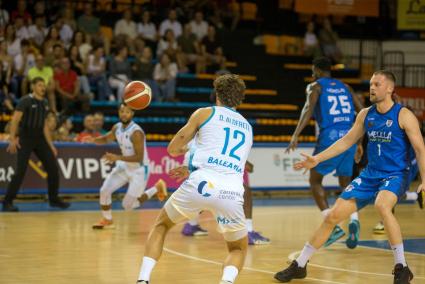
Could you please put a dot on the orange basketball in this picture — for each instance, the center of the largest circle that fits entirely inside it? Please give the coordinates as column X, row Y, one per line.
column 137, row 95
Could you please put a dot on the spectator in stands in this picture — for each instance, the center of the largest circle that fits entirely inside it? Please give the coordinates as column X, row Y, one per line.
column 189, row 51
column 64, row 132
column 68, row 89
column 138, row 46
column 89, row 131
column 96, row 65
column 88, row 23
column 199, row 26
column 37, row 32
column 311, row 43
column 39, row 9
column 168, row 45
column 4, row 17
column 147, row 30
column 212, row 49
column 53, row 59
column 13, row 43
column 77, row 64
column 22, row 64
column 65, row 31
column 69, row 18
column 165, row 74
column 120, row 71
column 52, row 39
column 171, row 24
column 21, row 11
column 143, row 70
column 45, row 72
column 52, row 123
column 83, row 45
column 21, row 28
column 6, row 102
column 126, row 26
column 6, row 65
column 99, row 121
column 329, row 42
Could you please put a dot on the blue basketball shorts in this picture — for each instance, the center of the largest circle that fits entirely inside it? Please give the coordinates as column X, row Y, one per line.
column 370, row 182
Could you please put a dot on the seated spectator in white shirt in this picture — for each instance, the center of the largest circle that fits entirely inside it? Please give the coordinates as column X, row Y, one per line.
column 171, row 23
column 126, row 26
column 4, row 17
column 199, row 26
column 146, row 28
column 65, row 31
column 168, row 44
column 311, row 43
column 164, row 74
column 38, row 31
column 21, row 28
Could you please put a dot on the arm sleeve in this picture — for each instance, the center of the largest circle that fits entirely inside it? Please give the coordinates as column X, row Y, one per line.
column 23, row 104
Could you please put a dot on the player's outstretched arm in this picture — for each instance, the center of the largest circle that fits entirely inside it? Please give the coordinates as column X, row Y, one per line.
column 338, row 147
column 313, row 92
column 410, row 124
column 178, row 145
column 104, row 139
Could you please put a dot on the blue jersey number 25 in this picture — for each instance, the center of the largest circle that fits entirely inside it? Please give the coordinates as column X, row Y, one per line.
column 236, row 135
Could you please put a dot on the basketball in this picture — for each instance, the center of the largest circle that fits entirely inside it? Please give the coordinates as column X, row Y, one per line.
column 137, row 95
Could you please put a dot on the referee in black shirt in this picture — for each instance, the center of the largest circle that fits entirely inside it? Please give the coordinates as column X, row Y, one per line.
column 30, row 116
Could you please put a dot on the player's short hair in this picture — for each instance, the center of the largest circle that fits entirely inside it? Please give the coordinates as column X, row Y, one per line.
column 230, row 89
column 36, row 80
column 322, row 63
column 123, row 104
column 387, row 74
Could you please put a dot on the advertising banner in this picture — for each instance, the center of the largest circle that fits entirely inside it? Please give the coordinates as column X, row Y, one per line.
column 368, row 8
column 83, row 171
column 411, row 14
column 81, row 168
column 273, row 169
column 415, row 98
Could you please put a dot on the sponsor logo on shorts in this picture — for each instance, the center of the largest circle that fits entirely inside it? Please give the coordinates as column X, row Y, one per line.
column 203, row 188
column 226, row 221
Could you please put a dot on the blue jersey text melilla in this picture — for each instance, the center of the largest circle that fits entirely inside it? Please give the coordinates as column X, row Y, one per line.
column 388, row 147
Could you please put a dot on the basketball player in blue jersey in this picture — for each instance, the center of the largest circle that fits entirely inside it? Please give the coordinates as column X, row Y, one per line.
column 217, row 161
column 391, row 130
column 333, row 105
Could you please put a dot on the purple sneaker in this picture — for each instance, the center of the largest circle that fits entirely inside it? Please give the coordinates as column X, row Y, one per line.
column 255, row 238
column 193, row 231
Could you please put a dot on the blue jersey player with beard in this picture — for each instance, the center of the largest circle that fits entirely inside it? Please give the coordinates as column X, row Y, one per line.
column 391, row 129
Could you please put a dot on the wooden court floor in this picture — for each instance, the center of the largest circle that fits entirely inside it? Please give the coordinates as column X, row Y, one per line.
column 61, row 247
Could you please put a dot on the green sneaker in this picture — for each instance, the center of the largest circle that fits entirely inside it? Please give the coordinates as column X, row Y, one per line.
column 337, row 233
column 353, row 234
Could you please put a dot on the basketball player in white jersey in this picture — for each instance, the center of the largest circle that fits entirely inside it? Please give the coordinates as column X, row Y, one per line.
column 216, row 162
column 131, row 167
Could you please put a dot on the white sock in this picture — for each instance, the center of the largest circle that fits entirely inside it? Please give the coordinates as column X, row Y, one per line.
column 411, row 195
column 354, row 216
column 305, row 255
column 325, row 212
column 398, row 251
column 230, row 273
column 249, row 225
column 194, row 221
column 107, row 214
column 151, row 192
column 147, row 266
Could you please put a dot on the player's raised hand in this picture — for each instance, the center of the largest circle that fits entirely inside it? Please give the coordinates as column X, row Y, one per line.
column 292, row 145
column 179, row 173
column 308, row 163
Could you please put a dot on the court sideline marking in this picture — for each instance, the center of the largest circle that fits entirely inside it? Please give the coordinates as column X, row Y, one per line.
column 246, row 268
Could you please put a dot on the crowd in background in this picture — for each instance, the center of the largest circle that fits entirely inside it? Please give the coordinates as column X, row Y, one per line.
column 81, row 59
